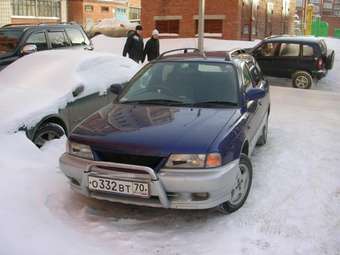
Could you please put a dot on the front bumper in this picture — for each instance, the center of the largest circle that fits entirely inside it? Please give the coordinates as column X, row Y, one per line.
column 170, row 188
column 320, row 73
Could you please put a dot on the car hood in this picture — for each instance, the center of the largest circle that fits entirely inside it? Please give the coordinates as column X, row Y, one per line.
column 152, row 130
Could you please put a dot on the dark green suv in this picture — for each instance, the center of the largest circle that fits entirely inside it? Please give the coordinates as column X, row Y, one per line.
column 18, row 40
column 301, row 58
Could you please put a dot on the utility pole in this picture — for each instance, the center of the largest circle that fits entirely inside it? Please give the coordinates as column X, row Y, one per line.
column 251, row 20
column 201, row 25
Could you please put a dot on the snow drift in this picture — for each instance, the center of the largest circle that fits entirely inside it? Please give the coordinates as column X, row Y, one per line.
column 41, row 83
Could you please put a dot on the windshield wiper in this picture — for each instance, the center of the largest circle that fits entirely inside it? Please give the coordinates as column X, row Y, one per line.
column 213, row 103
column 153, row 101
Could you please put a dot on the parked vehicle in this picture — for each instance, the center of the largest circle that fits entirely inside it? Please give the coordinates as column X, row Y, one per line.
column 298, row 57
column 17, row 40
column 111, row 28
column 48, row 93
column 180, row 135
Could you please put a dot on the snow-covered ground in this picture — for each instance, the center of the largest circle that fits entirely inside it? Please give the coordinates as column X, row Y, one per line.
column 293, row 207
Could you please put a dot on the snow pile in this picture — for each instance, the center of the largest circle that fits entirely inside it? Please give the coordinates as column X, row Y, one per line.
column 39, row 84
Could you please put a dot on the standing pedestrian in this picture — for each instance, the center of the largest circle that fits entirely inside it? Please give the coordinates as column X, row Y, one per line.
column 152, row 46
column 134, row 45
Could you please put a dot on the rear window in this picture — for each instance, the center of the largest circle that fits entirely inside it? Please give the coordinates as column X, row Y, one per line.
column 9, row 40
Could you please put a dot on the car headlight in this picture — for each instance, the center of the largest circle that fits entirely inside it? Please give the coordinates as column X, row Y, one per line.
column 79, row 150
column 194, row 160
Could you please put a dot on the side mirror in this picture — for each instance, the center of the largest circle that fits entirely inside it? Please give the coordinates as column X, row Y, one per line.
column 78, row 90
column 116, row 88
column 29, row 49
column 255, row 94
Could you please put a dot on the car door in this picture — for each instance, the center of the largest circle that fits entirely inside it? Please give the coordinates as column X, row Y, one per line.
column 308, row 57
column 260, row 82
column 264, row 55
column 252, row 108
column 286, row 62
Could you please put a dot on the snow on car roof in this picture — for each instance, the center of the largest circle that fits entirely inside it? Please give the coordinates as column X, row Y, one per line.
column 41, row 83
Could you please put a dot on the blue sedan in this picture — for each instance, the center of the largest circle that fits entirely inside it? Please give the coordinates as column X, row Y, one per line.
column 179, row 135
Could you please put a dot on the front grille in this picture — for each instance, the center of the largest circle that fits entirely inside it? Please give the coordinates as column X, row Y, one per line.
column 148, row 161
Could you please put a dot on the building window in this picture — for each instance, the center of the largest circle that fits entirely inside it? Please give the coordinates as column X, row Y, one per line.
column 40, row 8
column 121, row 14
column 168, row 26
column 105, row 9
column 88, row 8
column 134, row 13
column 212, row 26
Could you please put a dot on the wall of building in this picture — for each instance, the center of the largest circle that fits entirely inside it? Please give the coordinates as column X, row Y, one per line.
column 333, row 22
column 91, row 11
column 5, row 12
column 235, row 16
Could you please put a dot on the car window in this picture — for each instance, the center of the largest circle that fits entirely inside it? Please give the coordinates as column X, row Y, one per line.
column 289, row 50
column 255, row 73
column 39, row 40
column 189, row 82
column 323, row 47
column 76, row 36
column 58, row 39
column 307, row 51
column 247, row 78
column 9, row 40
column 267, row 49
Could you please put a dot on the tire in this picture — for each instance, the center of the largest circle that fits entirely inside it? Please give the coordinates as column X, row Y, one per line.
column 302, row 80
column 47, row 132
column 263, row 138
column 245, row 175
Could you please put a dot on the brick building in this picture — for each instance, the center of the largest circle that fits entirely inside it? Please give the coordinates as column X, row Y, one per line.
column 33, row 11
column 90, row 11
column 231, row 19
column 328, row 10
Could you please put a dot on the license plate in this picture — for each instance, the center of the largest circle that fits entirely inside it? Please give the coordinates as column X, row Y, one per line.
column 118, row 187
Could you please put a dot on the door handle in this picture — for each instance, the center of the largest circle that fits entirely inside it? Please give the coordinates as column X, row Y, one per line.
column 78, row 90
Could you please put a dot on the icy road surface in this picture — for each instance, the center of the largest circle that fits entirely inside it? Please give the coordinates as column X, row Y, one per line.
column 293, row 207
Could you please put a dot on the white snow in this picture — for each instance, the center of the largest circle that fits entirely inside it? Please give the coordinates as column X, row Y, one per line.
column 293, row 207
column 40, row 84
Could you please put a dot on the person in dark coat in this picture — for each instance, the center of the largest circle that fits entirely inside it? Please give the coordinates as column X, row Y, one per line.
column 152, row 47
column 134, row 45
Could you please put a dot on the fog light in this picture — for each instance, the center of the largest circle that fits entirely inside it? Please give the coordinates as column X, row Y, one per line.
column 199, row 196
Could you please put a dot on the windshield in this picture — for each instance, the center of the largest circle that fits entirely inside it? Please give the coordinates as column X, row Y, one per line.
column 184, row 83
column 9, row 40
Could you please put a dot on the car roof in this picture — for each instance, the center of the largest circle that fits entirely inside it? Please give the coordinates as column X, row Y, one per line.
column 24, row 27
column 290, row 38
column 208, row 56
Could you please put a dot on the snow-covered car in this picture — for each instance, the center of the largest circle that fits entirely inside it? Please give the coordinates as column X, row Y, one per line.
column 111, row 27
column 180, row 135
column 48, row 93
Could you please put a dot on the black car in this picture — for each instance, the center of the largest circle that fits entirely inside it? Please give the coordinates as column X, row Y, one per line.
column 18, row 39
column 301, row 58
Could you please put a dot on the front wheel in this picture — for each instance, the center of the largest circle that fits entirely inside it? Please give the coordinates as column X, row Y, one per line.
column 46, row 133
column 241, row 187
column 302, row 80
